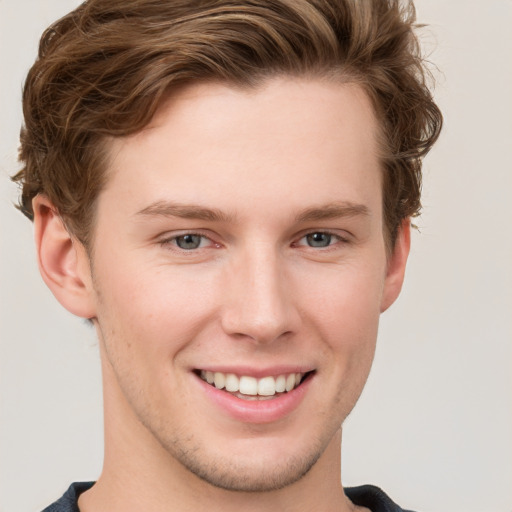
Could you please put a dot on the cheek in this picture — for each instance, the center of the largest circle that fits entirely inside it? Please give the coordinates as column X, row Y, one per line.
column 344, row 308
column 151, row 315
column 345, row 299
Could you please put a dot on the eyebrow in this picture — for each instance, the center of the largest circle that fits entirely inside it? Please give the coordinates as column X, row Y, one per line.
column 332, row 211
column 184, row 211
column 190, row 211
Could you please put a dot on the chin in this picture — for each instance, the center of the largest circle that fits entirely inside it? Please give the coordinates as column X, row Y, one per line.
column 251, row 476
column 246, row 465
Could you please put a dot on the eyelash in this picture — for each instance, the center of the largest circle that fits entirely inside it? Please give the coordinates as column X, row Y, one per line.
column 172, row 241
column 338, row 239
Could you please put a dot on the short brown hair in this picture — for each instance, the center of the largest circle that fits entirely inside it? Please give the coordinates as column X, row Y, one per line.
column 104, row 69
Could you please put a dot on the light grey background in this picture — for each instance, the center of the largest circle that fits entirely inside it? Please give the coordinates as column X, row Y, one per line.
column 434, row 425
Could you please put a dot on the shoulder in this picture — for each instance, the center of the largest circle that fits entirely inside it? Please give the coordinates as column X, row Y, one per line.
column 69, row 501
column 373, row 498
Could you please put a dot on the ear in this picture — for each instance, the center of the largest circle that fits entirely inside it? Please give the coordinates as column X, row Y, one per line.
column 397, row 261
column 63, row 261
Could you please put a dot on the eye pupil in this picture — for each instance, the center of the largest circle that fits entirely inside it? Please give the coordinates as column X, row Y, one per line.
column 188, row 241
column 319, row 239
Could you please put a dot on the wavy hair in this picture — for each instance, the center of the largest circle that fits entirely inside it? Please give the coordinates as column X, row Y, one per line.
column 104, row 69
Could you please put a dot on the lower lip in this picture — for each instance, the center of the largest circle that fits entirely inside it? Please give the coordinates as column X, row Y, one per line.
column 257, row 411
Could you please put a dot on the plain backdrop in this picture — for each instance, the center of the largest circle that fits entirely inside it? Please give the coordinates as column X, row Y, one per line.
column 434, row 425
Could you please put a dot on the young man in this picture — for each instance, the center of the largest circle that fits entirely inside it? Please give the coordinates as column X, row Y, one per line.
column 224, row 189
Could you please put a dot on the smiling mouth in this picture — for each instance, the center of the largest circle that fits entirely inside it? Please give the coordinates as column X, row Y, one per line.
column 251, row 388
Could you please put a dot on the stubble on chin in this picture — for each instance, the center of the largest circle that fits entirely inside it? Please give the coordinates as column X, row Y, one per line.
column 230, row 473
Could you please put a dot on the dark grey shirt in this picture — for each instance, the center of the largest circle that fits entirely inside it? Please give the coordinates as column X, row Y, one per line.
column 365, row 496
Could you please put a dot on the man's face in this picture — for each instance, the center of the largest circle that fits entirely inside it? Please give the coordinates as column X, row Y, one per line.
column 240, row 238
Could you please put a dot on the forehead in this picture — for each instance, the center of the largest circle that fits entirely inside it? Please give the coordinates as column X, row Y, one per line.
column 213, row 143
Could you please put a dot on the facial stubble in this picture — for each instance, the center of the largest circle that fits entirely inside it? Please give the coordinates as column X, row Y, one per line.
column 231, row 473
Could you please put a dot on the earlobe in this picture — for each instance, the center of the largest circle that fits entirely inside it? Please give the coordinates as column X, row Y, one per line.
column 62, row 260
column 397, row 261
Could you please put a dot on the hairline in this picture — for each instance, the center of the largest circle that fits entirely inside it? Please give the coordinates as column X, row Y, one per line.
column 333, row 75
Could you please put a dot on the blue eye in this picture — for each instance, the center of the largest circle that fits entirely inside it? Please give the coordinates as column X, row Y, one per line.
column 319, row 239
column 189, row 241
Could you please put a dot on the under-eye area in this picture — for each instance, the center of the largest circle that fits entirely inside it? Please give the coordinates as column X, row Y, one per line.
column 252, row 388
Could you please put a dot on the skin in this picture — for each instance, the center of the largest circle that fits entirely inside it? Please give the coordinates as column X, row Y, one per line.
column 275, row 164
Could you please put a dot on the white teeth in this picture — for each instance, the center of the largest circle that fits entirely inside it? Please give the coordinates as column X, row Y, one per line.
column 219, row 380
column 281, row 384
column 267, row 386
column 232, row 383
column 250, row 386
column 290, row 382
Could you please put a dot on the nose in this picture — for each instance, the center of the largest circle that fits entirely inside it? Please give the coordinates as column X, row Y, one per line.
column 258, row 301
